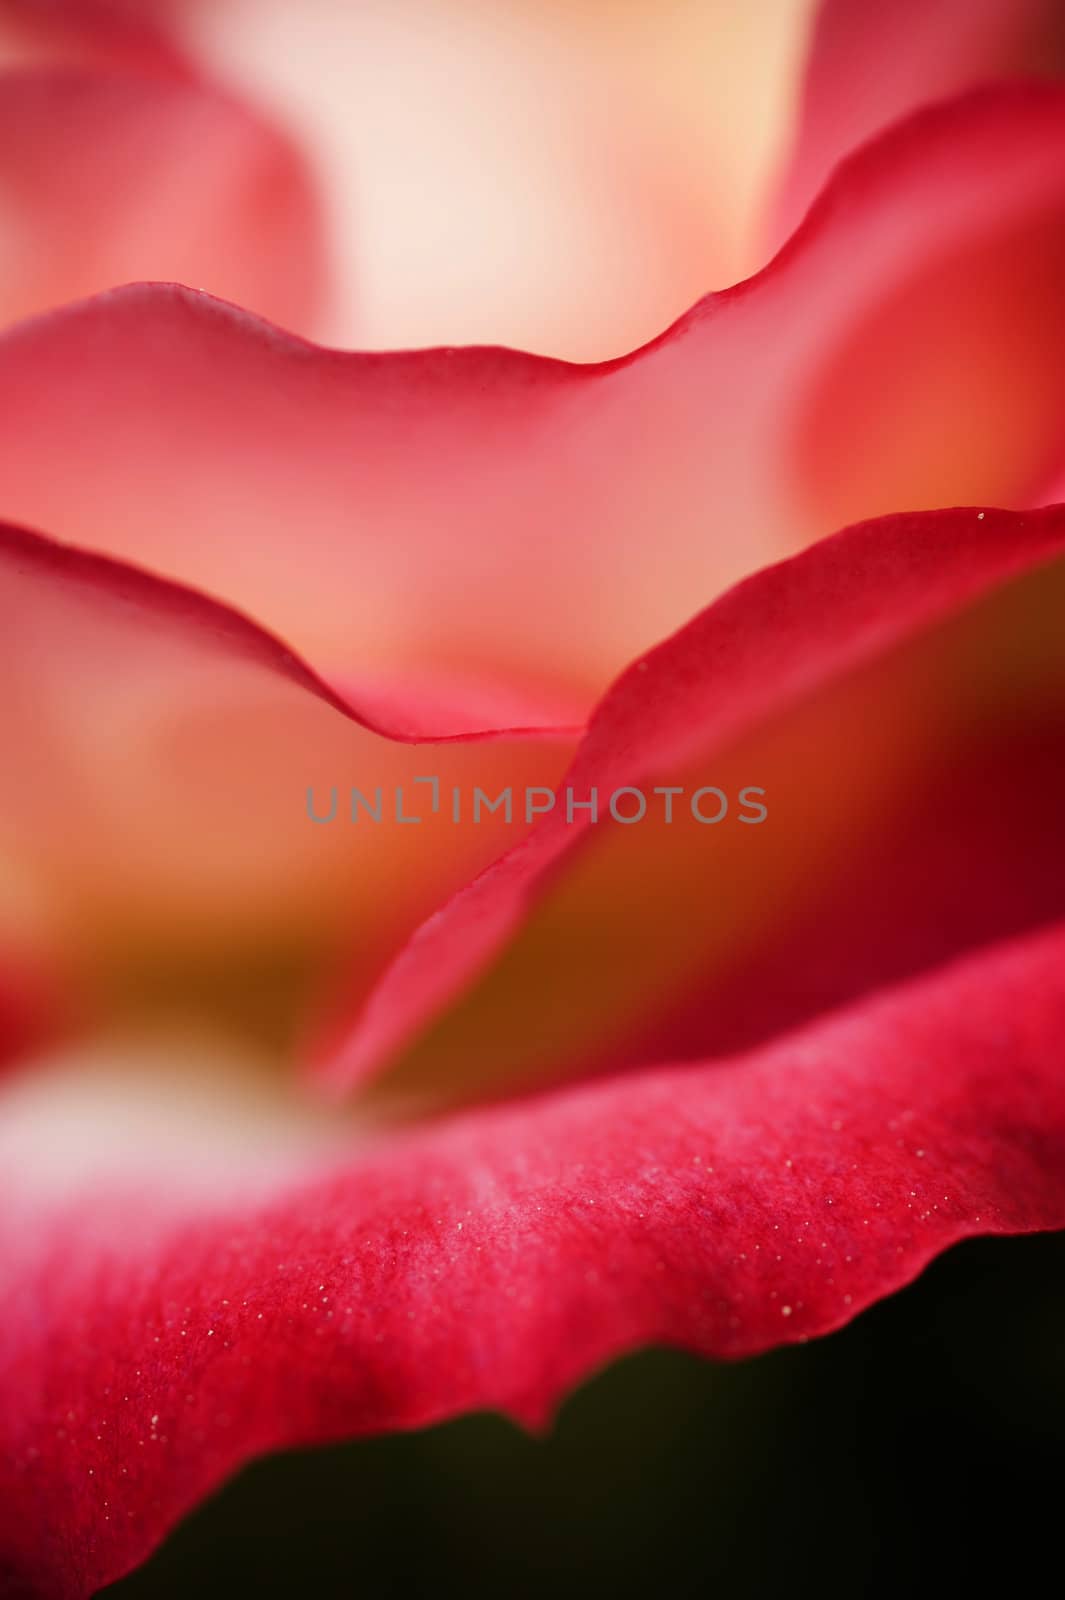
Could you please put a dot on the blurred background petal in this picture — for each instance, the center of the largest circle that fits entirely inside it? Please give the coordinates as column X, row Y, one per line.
column 107, row 178
column 870, row 64
column 564, row 178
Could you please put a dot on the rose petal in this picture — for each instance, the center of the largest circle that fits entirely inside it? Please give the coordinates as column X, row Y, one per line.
column 869, row 65
column 754, row 654
column 455, row 510
column 106, row 178
column 158, row 753
column 171, row 1312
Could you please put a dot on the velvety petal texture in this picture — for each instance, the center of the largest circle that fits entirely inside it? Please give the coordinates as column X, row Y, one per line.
column 165, row 1318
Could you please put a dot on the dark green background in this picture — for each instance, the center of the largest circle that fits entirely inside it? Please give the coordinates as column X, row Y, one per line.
column 907, row 1454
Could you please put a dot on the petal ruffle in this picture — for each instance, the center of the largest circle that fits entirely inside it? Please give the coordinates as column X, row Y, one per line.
column 173, row 1310
column 456, row 509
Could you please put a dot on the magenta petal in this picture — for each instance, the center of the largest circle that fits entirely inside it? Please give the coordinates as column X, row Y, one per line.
column 169, row 1316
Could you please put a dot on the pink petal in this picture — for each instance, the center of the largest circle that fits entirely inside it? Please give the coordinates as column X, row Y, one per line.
column 107, row 178
column 871, row 64
column 450, row 513
column 177, row 1301
column 758, row 652
column 158, row 751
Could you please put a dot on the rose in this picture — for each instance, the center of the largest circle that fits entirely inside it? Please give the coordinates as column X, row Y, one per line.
column 812, row 1054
